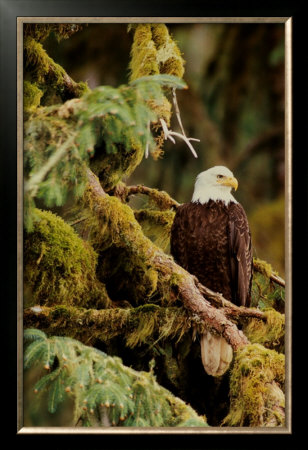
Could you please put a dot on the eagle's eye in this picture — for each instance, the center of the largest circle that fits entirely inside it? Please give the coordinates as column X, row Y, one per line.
column 220, row 176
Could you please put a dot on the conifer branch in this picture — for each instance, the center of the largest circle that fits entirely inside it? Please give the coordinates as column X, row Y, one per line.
column 34, row 181
column 101, row 385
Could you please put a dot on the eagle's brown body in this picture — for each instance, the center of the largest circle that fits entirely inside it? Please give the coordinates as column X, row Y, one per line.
column 212, row 241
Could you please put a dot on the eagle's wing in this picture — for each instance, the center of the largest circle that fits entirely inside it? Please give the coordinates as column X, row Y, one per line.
column 240, row 255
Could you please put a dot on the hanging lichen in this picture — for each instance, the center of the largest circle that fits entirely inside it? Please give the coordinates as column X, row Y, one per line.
column 59, row 267
column 155, row 52
column 168, row 56
column 143, row 53
column 256, row 388
column 146, row 324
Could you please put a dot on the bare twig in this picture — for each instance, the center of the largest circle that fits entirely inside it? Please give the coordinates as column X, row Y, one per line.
column 146, row 153
column 169, row 135
column 78, row 221
column 277, row 279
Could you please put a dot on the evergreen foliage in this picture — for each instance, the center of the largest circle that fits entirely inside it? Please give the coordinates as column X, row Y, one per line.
column 58, row 140
column 265, row 293
column 105, row 392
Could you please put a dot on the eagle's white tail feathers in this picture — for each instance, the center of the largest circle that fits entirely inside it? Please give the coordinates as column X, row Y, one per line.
column 216, row 354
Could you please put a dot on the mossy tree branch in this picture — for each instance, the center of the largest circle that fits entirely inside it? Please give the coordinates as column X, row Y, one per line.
column 167, row 271
column 147, row 323
column 230, row 309
column 160, row 198
column 46, row 71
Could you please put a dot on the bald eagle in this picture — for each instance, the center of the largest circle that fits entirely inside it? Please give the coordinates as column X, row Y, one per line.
column 210, row 238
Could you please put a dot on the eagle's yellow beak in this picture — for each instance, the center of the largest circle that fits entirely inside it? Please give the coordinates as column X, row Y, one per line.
column 229, row 181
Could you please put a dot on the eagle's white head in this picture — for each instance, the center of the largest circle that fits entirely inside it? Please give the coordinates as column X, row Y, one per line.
column 215, row 184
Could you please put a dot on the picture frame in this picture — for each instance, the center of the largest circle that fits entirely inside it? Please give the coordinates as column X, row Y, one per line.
column 287, row 20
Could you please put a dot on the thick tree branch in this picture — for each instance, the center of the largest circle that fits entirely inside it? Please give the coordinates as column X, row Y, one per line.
column 231, row 311
column 50, row 72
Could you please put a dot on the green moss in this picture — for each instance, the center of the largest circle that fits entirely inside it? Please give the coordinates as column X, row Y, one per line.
column 172, row 66
column 270, row 333
column 183, row 415
column 49, row 76
column 147, row 324
column 169, row 57
column 143, row 53
column 155, row 52
column 263, row 267
column 32, row 96
column 256, row 388
column 40, row 31
column 156, row 225
column 125, row 253
column 110, row 169
column 160, row 34
column 59, row 266
column 162, row 109
column 153, row 323
column 128, row 260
